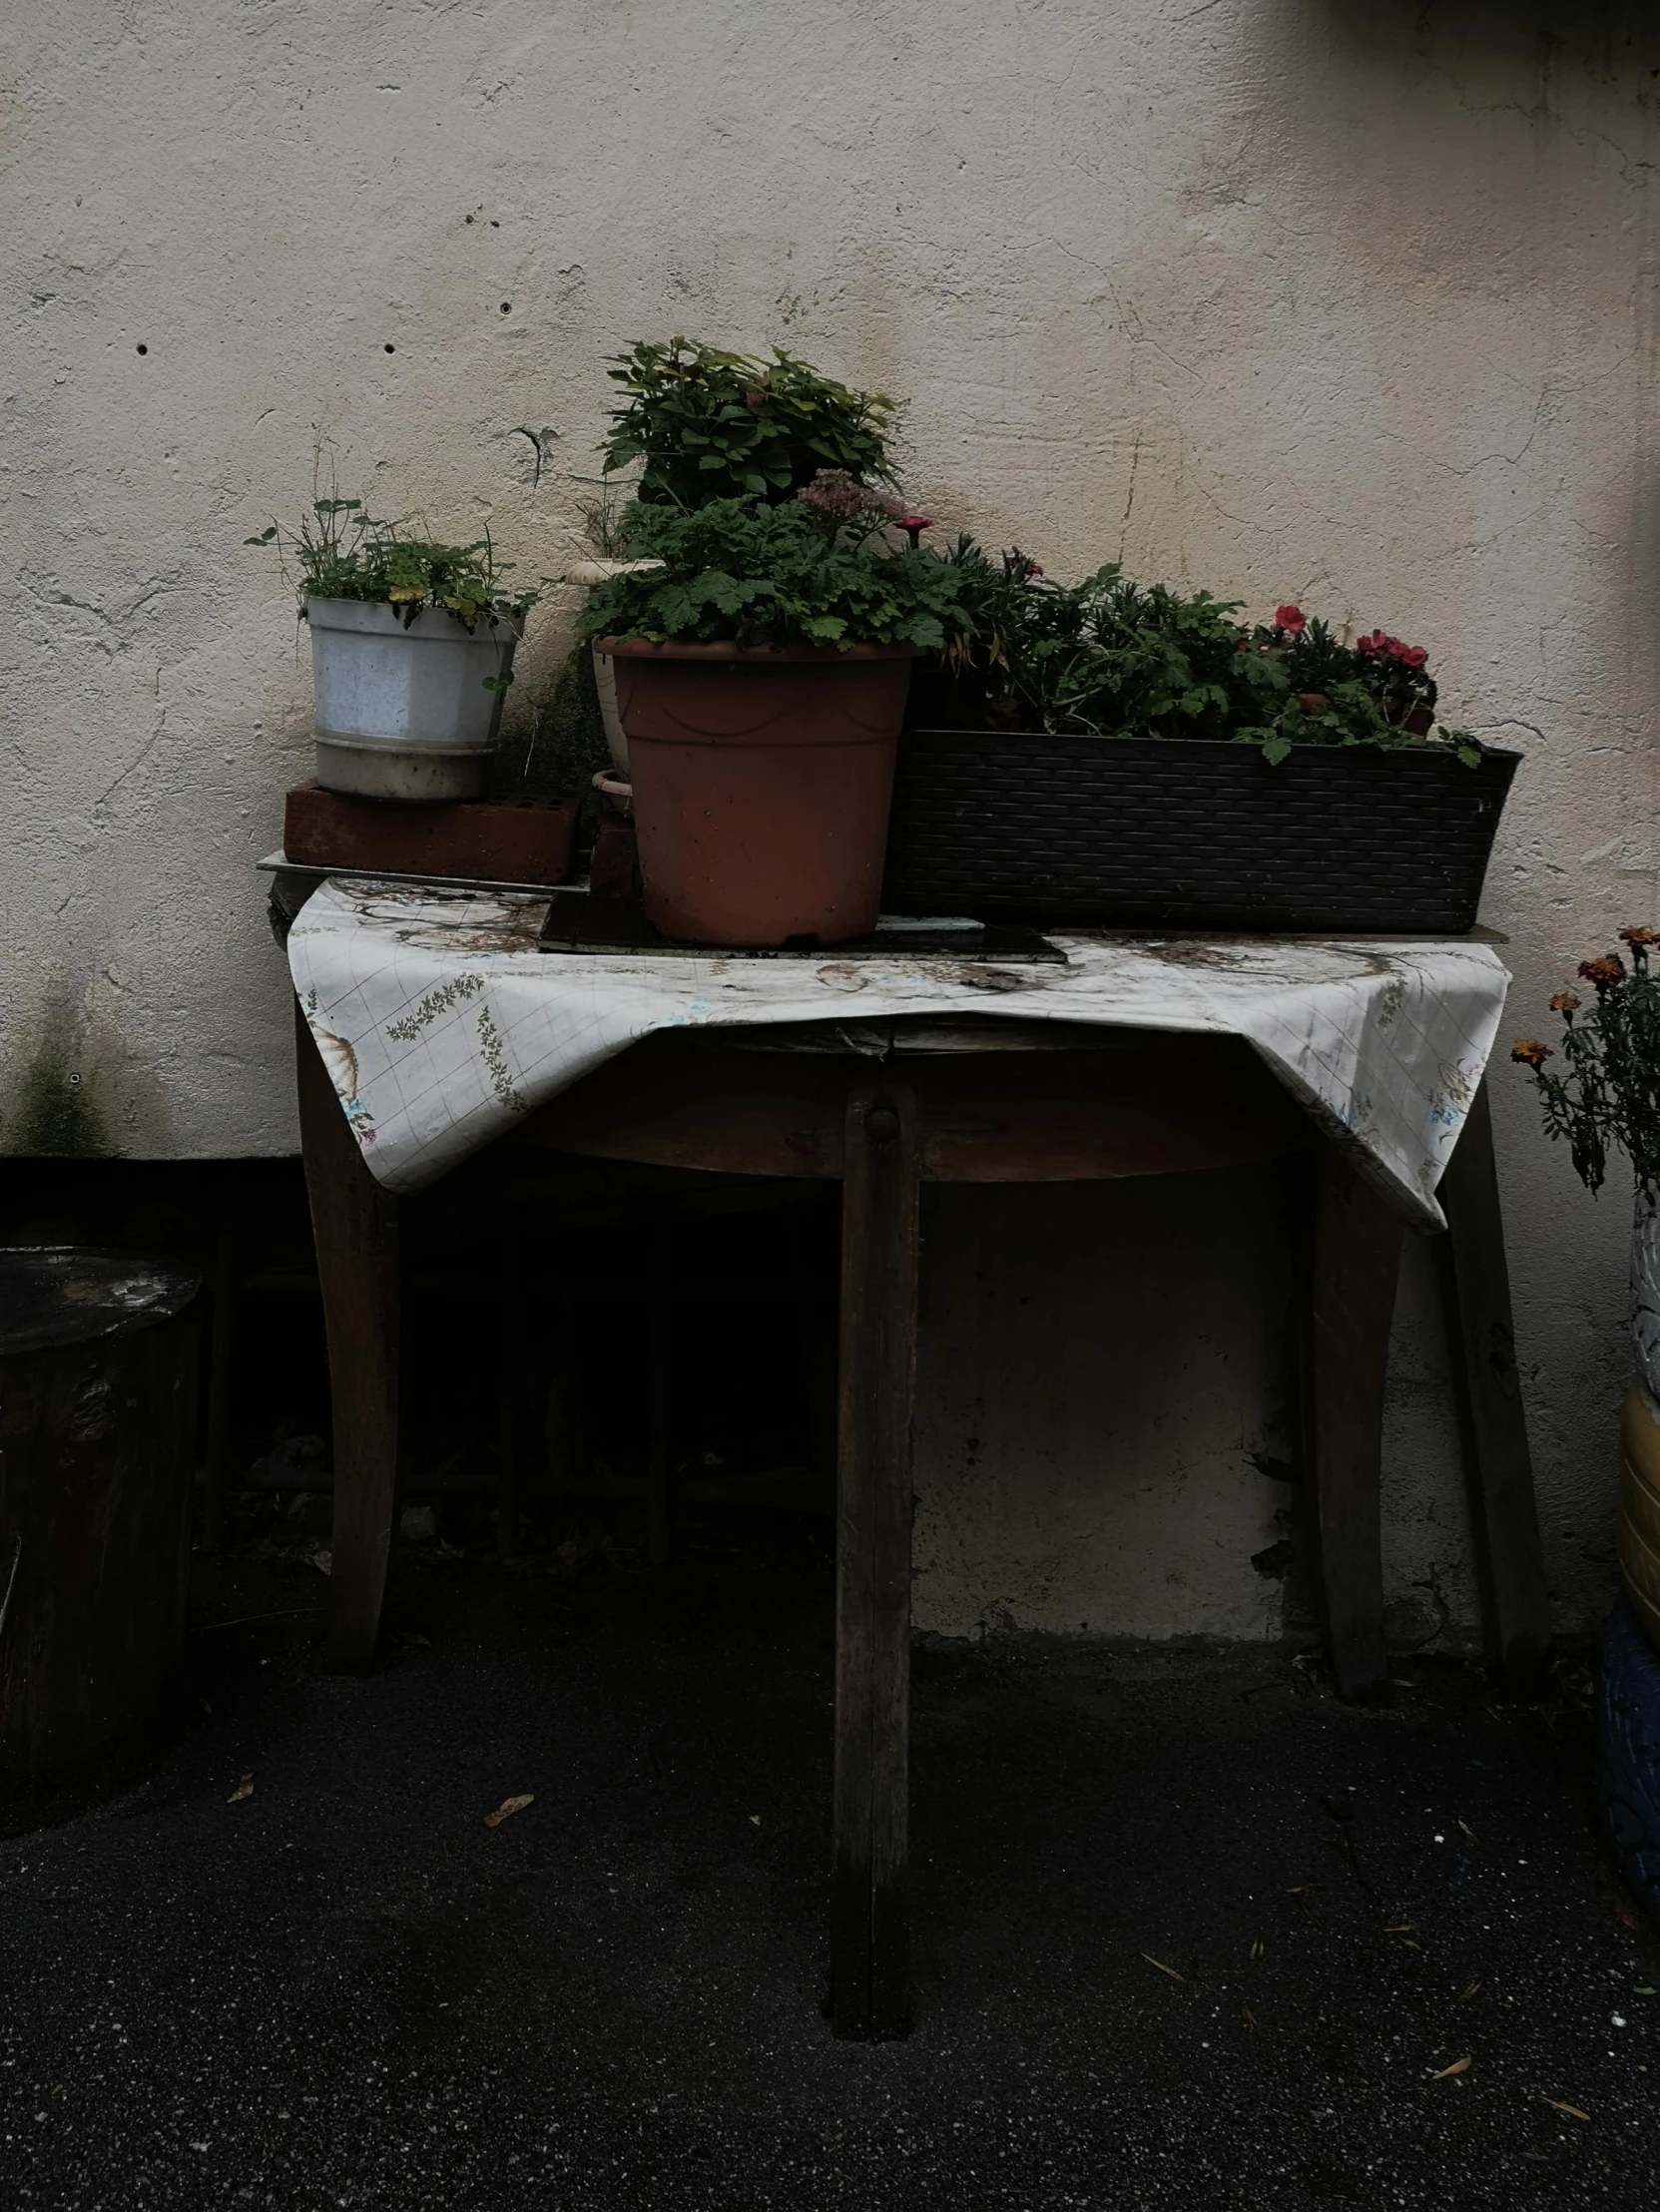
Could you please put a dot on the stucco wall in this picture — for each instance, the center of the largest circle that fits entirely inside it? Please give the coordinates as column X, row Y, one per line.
column 1351, row 300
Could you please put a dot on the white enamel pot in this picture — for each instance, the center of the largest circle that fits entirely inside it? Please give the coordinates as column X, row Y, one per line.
column 405, row 709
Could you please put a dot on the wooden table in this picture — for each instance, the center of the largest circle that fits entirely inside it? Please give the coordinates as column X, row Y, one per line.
column 1006, row 1103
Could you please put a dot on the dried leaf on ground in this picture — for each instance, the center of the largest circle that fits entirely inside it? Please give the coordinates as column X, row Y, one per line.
column 1401, row 1927
column 245, row 1788
column 1258, row 1947
column 1246, row 2016
column 1163, row 1969
column 1458, row 2066
column 1465, row 1997
column 1572, row 2110
column 507, row 1808
column 324, row 1561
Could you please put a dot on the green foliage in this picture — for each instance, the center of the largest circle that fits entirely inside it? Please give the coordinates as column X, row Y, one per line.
column 742, row 572
column 1111, row 658
column 341, row 552
column 565, row 742
column 1608, row 1093
column 708, row 425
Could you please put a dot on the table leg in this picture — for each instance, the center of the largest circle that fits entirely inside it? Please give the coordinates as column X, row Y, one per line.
column 1476, row 1296
column 220, row 1372
column 1356, row 1267
column 658, row 1489
column 355, row 1228
column 879, row 1251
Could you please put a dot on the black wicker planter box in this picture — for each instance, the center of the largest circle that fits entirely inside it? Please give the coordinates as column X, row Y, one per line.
column 1104, row 832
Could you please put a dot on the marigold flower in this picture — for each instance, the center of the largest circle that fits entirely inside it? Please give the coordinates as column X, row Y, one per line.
column 1638, row 940
column 1566, row 1002
column 1604, row 972
column 1291, row 619
column 1531, row 1053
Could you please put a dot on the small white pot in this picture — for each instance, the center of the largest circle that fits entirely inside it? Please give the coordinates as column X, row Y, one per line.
column 406, row 712
column 1645, row 1289
column 605, row 676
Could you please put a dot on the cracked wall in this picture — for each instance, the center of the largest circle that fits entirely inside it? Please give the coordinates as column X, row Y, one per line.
column 1347, row 301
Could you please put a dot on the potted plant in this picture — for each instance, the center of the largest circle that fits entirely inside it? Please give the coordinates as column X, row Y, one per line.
column 697, row 423
column 1605, row 1097
column 762, row 674
column 1108, row 754
column 412, row 647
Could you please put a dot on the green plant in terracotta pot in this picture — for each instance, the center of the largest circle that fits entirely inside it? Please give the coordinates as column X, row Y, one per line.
column 694, row 423
column 761, row 672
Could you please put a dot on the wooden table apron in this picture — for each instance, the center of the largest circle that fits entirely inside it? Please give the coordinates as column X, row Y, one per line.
column 1125, row 1103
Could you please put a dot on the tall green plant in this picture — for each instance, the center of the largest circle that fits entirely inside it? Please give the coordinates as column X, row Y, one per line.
column 1608, row 1092
column 706, row 425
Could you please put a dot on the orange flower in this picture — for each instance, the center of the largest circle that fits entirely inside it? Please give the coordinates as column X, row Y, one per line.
column 1604, row 972
column 1638, row 938
column 1531, row 1053
column 1566, row 1002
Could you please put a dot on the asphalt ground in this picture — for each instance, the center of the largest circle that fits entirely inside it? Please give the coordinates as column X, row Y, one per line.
column 1187, row 1931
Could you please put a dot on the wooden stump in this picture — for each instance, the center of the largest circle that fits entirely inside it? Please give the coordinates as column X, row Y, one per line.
column 97, row 1358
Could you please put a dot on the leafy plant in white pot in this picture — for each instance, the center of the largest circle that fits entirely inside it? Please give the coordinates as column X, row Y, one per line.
column 413, row 645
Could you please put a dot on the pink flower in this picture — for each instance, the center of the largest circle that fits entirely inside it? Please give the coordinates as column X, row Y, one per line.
column 914, row 526
column 1410, row 656
column 1374, row 645
column 1291, row 619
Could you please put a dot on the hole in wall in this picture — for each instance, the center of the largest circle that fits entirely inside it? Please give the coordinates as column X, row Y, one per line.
column 143, row 349
column 390, row 350
column 507, row 307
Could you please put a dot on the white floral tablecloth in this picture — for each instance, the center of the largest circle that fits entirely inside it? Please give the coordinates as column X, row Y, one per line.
column 440, row 1022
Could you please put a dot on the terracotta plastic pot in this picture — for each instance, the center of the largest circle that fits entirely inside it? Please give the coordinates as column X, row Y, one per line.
column 761, row 780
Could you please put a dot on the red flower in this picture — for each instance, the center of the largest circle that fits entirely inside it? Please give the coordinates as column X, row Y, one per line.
column 914, row 526
column 1291, row 619
column 1377, row 645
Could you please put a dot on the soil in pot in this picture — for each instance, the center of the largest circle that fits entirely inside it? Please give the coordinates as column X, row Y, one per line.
column 761, row 784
